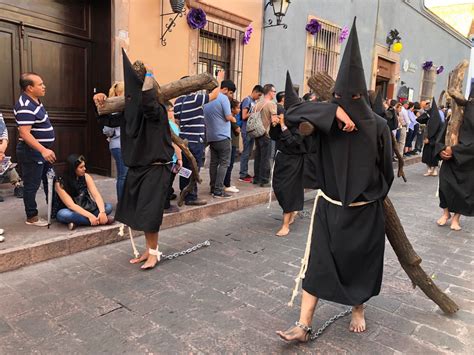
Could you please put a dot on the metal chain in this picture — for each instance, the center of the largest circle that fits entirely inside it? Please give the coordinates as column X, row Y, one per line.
column 187, row 251
column 317, row 334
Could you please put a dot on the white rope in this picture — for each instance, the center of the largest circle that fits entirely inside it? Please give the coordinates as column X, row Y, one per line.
column 437, row 188
column 304, row 261
column 122, row 233
column 271, row 180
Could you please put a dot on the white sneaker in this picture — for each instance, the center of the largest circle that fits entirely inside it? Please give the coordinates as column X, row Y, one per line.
column 2, row 238
column 39, row 223
column 1, row 231
column 231, row 189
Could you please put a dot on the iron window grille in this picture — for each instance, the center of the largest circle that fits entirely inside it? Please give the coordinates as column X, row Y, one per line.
column 221, row 47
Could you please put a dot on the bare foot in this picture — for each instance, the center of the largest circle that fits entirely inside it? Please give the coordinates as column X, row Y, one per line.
column 358, row 320
column 293, row 217
column 150, row 262
column 455, row 226
column 444, row 218
column 294, row 334
column 283, row 232
column 140, row 259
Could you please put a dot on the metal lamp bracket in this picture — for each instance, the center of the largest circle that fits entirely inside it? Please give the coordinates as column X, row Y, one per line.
column 170, row 24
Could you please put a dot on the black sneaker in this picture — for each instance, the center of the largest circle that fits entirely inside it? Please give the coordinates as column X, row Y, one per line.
column 18, row 191
column 221, row 195
column 1, row 198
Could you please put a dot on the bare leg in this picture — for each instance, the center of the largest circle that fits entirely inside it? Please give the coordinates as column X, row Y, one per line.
column 293, row 217
column 435, row 171
column 285, row 228
column 152, row 243
column 444, row 218
column 308, row 305
column 429, row 172
column 358, row 320
column 455, row 226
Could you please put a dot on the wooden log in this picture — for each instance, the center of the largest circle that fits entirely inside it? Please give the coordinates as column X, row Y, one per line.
column 322, row 85
column 456, row 79
column 410, row 261
column 400, row 161
column 166, row 92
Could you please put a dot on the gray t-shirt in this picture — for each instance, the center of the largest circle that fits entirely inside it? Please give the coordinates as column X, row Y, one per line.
column 215, row 112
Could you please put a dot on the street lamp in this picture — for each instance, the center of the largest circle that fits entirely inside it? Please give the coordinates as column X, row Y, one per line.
column 280, row 7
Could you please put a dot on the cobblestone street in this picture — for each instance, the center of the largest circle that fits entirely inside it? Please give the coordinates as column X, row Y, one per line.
column 232, row 295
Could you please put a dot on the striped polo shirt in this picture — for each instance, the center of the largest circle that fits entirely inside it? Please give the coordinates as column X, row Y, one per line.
column 28, row 113
column 188, row 110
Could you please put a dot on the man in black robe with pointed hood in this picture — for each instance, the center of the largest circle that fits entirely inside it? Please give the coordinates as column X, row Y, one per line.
column 147, row 150
column 434, row 127
column 456, row 176
column 343, row 260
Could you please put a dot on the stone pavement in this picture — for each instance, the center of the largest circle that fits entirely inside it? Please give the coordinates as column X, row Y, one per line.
column 232, row 295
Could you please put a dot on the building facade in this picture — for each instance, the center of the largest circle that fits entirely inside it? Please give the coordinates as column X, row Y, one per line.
column 423, row 35
column 76, row 48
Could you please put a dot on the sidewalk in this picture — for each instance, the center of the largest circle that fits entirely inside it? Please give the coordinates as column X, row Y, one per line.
column 25, row 245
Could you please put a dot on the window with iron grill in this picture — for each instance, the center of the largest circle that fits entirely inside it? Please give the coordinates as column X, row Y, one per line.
column 221, row 47
column 324, row 50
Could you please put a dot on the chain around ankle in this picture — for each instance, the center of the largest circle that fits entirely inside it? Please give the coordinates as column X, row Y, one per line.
column 306, row 328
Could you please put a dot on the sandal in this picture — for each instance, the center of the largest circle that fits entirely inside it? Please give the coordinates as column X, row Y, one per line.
column 155, row 252
column 306, row 337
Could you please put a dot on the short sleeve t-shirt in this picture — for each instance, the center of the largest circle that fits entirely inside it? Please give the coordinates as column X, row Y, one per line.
column 189, row 111
column 247, row 103
column 215, row 112
column 175, row 129
column 29, row 113
column 268, row 109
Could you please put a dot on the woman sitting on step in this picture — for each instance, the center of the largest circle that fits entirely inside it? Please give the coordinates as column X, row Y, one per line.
column 80, row 203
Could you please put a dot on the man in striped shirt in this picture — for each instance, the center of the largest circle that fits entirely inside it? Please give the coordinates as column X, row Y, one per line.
column 34, row 147
column 189, row 111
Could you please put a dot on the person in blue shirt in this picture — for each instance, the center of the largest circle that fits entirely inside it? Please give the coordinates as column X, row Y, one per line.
column 177, row 160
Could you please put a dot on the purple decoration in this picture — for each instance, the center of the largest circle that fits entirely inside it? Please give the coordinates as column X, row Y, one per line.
column 248, row 34
column 196, row 18
column 439, row 70
column 427, row 65
column 344, row 34
column 313, row 26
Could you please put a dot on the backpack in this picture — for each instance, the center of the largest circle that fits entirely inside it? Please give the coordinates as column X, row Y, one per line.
column 255, row 128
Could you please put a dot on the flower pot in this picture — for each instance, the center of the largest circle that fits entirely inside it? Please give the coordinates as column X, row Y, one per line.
column 177, row 6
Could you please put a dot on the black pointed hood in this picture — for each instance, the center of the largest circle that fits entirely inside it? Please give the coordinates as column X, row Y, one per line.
column 351, row 77
column 133, row 97
column 378, row 105
column 434, row 123
column 291, row 97
column 351, row 81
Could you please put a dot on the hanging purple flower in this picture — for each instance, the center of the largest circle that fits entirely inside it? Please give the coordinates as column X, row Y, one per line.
column 439, row 70
column 313, row 26
column 196, row 18
column 247, row 34
column 427, row 65
column 344, row 34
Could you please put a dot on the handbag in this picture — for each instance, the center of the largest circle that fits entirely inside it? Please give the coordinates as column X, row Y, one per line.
column 86, row 202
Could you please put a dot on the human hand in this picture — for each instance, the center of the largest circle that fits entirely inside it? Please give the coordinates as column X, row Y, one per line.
column 48, row 155
column 447, row 153
column 426, row 141
column 2, row 156
column 220, row 75
column 99, row 99
column 344, row 121
column 275, row 120
column 94, row 221
column 102, row 217
column 237, row 131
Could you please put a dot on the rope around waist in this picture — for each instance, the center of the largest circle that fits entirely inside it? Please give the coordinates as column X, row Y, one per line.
column 304, row 261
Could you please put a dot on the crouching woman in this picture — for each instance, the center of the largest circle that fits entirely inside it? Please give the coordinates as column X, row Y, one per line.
column 80, row 203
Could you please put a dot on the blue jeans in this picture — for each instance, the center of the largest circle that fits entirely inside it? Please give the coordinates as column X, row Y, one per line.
column 197, row 150
column 248, row 147
column 233, row 153
column 33, row 169
column 66, row 216
column 121, row 171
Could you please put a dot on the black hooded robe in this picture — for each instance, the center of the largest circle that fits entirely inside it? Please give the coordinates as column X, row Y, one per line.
column 288, row 174
column 456, row 176
column 434, row 127
column 147, row 150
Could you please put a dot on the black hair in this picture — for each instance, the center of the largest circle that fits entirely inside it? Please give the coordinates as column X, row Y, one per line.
column 229, row 85
column 393, row 102
column 309, row 96
column 268, row 88
column 69, row 179
column 280, row 96
column 25, row 80
column 234, row 103
column 410, row 105
column 417, row 105
column 258, row 88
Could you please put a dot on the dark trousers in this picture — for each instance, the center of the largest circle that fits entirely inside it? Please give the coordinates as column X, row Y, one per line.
column 121, row 171
column 248, row 143
column 419, row 139
column 220, row 159
column 231, row 166
column 170, row 191
column 197, row 150
column 33, row 169
column 409, row 140
column 262, row 160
